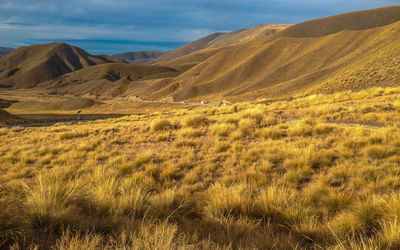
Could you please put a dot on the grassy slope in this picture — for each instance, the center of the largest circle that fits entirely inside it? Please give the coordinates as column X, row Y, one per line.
column 290, row 64
column 107, row 79
column 247, row 175
column 28, row 66
column 6, row 118
column 245, row 35
column 139, row 57
column 5, row 51
column 188, row 48
column 219, row 40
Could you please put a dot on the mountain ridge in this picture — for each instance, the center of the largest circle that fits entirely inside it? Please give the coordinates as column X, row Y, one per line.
column 139, row 57
column 25, row 67
column 4, row 51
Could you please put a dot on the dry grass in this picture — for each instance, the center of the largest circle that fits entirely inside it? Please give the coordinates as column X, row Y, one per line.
column 220, row 177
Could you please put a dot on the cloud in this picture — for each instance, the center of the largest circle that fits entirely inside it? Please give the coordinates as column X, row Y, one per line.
column 160, row 24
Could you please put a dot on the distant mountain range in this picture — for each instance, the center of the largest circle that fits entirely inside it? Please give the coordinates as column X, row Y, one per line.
column 351, row 51
column 5, row 51
column 139, row 57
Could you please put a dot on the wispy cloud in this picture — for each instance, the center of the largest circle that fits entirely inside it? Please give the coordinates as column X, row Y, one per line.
column 158, row 24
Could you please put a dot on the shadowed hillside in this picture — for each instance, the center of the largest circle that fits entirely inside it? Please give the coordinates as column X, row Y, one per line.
column 5, row 51
column 139, row 57
column 6, row 118
column 28, row 66
column 6, row 103
column 107, row 79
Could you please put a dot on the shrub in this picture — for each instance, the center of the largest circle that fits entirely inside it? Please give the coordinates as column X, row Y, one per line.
column 369, row 213
column 50, row 202
column 256, row 117
column 390, row 234
column 222, row 147
column 375, row 140
column 272, row 203
column 105, row 190
column 3, row 131
column 132, row 199
column 197, row 121
column 377, row 152
column 161, row 125
column 345, row 224
column 69, row 136
column 162, row 235
column 162, row 138
column 10, row 222
column 222, row 129
column 74, row 241
column 144, row 158
column 336, row 202
column 227, row 201
column 322, row 129
column 300, row 129
column 190, row 144
column 192, row 133
column 246, row 127
column 166, row 204
column 170, row 172
column 354, row 143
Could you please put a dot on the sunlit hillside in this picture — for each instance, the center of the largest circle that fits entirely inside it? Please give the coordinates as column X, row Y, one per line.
column 318, row 172
column 323, row 55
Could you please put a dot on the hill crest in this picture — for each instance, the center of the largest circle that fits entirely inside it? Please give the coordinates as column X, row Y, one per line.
column 139, row 57
column 5, row 51
column 28, row 66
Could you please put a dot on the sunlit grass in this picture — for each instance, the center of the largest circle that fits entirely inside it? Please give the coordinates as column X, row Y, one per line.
column 313, row 172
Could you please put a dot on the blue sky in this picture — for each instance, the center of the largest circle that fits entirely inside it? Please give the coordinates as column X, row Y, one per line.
column 112, row 26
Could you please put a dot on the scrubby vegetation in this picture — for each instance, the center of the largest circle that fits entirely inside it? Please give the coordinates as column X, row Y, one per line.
column 317, row 172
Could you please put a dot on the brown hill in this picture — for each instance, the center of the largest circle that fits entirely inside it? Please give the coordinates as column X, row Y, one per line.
column 5, row 51
column 245, row 35
column 28, row 66
column 358, row 20
column 6, row 103
column 112, row 79
column 139, row 57
column 219, row 40
column 69, row 104
column 7, row 118
column 350, row 51
column 188, row 48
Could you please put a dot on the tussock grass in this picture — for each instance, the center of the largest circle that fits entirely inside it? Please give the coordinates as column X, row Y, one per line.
column 229, row 201
column 50, row 203
column 222, row 129
column 74, row 241
column 69, row 136
column 162, row 125
column 197, row 121
column 192, row 133
column 166, row 204
column 377, row 152
column 228, row 178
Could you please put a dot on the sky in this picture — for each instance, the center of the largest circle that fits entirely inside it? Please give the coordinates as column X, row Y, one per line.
column 114, row 26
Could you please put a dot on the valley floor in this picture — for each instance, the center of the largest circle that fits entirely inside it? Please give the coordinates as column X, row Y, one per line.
column 317, row 172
